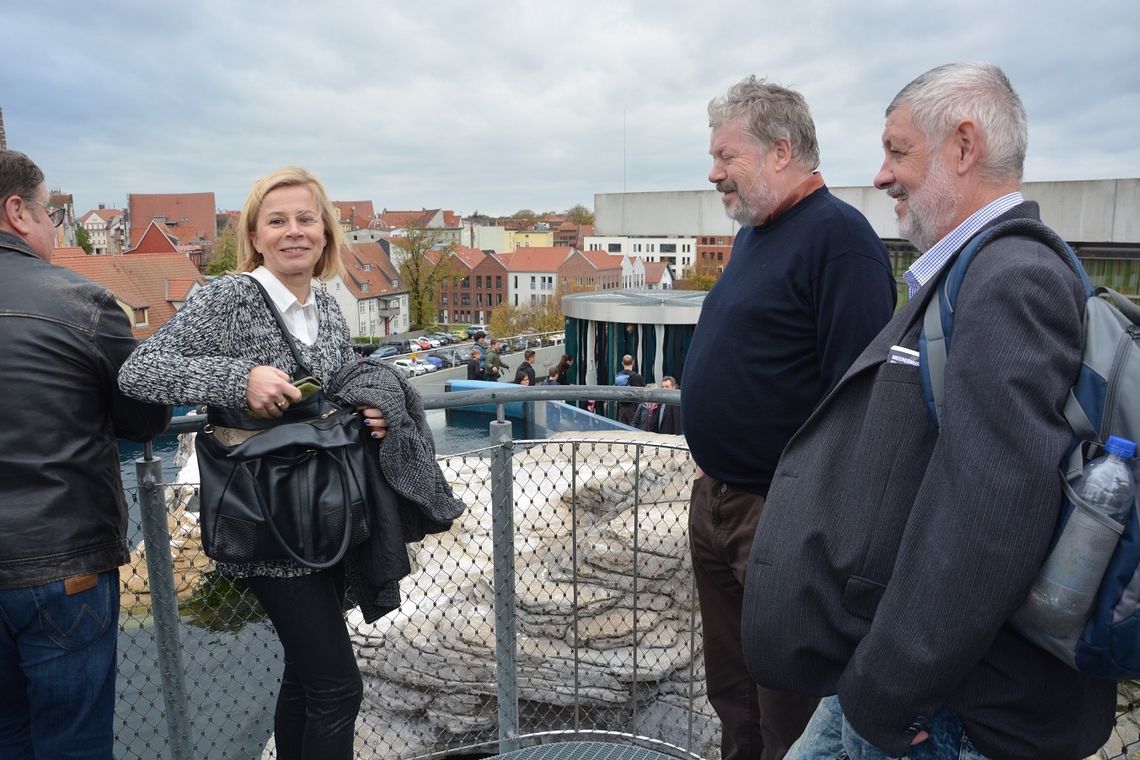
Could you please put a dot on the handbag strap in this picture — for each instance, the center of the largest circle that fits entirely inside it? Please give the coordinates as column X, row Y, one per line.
column 302, row 368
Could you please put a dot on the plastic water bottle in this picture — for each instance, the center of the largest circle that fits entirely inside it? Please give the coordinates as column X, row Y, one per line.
column 1059, row 603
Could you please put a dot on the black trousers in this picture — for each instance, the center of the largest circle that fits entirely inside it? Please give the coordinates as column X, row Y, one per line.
column 756, row 723
column 321, row 687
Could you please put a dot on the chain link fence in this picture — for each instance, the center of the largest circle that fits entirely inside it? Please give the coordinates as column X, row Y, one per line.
column 560, row 606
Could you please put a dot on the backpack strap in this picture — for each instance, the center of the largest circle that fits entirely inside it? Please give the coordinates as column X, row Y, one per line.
column 938, row 320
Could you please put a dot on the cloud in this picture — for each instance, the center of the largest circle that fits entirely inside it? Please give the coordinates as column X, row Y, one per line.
column 500, row 106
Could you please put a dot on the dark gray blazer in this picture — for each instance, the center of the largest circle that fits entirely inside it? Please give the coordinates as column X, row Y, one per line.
column 890, row 556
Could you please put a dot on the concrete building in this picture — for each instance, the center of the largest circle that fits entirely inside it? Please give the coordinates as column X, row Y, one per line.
column 679, row 253
column 1087, row 211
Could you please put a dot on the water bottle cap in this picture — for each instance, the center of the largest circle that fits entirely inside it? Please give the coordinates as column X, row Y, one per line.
column 1122, row 447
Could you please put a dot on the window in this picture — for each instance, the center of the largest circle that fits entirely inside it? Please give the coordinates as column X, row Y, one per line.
column 498, row 282
column 516, row 280
column 532, row 282
column 498, row 298
column 720, row 255
column 466, row 283
column 443, row 298
column 614, row 247
column 478, row 299
column 142, row 317
column 479, row 281
column 668, row 248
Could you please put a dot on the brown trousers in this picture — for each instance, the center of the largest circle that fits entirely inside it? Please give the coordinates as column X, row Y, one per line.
column 756, row 723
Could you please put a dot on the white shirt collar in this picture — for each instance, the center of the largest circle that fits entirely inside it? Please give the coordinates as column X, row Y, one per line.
column 301, row 319
column 930, row 263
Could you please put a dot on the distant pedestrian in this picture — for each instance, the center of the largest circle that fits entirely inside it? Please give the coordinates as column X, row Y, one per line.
column 563, row 368
column 521, row 377
column 475, row 365
column 668, row 417
column 493, row 365
column 481, row 343
column 551, row 376
column 527, row 364
column 645, row 414
column 630, row 378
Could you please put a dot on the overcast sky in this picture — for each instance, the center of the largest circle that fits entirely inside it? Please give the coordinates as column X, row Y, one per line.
column 502, row 105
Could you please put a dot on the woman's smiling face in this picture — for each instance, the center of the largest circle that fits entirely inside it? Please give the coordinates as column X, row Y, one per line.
column 290, row 234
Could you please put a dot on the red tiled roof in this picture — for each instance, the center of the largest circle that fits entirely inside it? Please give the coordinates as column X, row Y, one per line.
column 66, row 252
column 154, row 240
column 399, row 219
column 367, row 264
column 603, row 260
column 156, row 282
column 470, row 257
column 359, row 214
column 654, row 270
column 106, row 214
column 197, row 209
column 537, row 259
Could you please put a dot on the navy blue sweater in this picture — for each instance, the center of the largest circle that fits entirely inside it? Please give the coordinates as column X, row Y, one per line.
column 800, row 299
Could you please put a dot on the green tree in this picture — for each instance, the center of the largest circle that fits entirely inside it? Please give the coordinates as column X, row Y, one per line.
column 224, row 258
column 83, row 239
column 700, row 277
column 579, row 215
column 506, row 320
column 525, row 217
column 419, row 274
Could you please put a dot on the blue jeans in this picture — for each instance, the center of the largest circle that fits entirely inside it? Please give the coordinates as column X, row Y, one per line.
column 829, row 736
column 57, row 669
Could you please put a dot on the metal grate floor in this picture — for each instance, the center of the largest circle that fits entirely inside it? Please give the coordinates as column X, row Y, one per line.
column 582, row 751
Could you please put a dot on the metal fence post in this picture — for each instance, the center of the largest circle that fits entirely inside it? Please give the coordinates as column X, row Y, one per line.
column 164, row 605
column 503, row 533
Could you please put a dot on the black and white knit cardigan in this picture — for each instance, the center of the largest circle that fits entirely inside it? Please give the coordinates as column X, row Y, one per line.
column 204, row 354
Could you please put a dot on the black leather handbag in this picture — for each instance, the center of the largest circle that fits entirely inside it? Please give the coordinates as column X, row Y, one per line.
column 294, row 489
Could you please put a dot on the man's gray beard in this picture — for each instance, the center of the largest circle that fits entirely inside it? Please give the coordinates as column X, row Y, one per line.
column 931, row 209
column 745, row 213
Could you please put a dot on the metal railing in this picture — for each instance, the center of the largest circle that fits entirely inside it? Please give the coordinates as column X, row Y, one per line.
column 560, row 607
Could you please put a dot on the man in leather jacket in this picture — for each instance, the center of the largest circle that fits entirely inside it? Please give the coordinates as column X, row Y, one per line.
column 63, row 516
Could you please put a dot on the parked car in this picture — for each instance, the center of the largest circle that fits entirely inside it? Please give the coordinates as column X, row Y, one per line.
column 385, row 350
column 364, row 349
column 410, row 367
column 463, row 353
column 425, row 365
column 527, row 340
column 403, row 346
column 423, row 344
column 474, row 329
column 448, row 357
column 444, row 339
column 433, row 360
column 434, row 341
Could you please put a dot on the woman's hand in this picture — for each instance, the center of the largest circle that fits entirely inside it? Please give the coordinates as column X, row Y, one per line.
column 374, row 421
column 269, row 391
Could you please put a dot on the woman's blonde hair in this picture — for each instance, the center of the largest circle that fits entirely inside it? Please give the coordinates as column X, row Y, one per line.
column 329, row 264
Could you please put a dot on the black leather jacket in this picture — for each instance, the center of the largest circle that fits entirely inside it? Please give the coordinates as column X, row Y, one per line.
column 62, row 340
